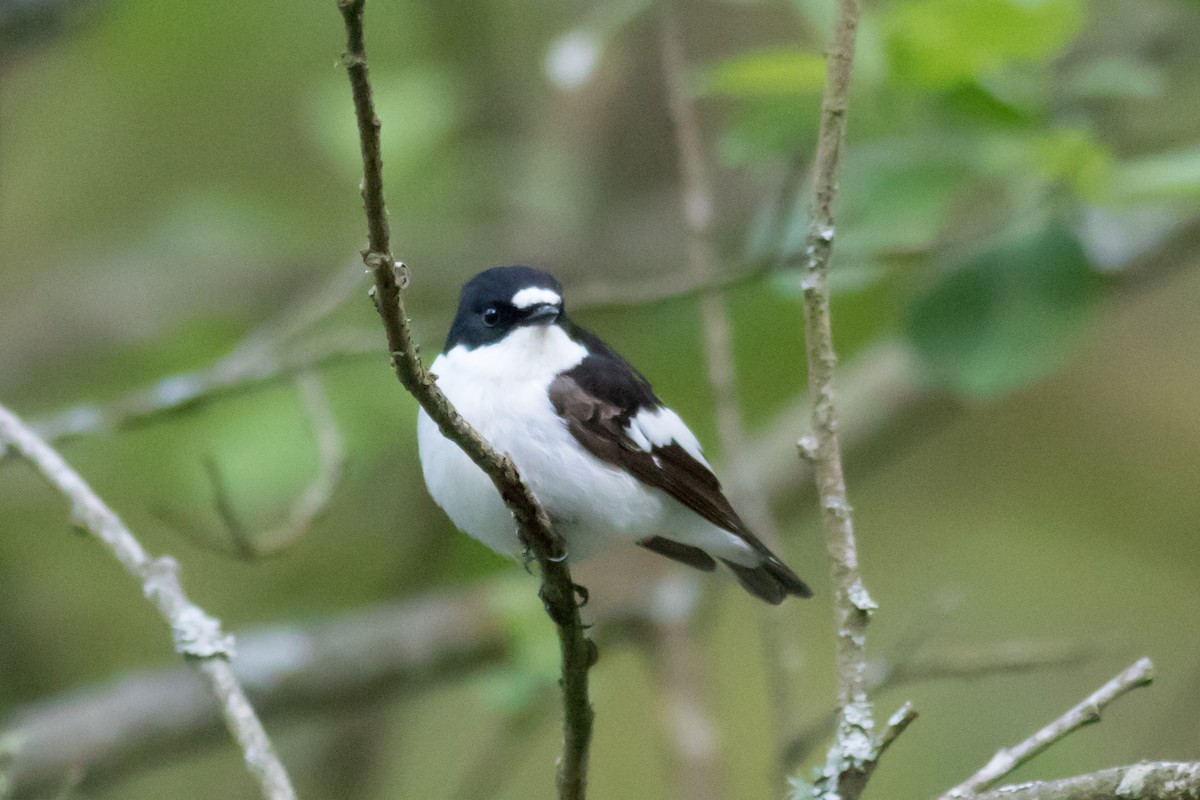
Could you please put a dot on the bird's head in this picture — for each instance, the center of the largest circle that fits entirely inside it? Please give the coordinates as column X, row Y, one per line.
column 501, row 300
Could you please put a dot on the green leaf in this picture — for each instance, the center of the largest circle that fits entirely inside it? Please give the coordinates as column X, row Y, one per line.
column 1074, row 157
column 1116, row 79
column 942, row 43
column 776, row 72
column 768, row 126
column 1160, row 176
column 1007, row 317
column 894, row 201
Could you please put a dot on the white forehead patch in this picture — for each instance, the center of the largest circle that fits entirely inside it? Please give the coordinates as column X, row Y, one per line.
column 535, row 296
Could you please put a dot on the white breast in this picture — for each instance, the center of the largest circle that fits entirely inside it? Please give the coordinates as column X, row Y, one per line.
column 501, row 390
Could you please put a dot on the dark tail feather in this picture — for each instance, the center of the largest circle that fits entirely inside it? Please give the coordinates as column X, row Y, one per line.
column 678, row 551
column 771, row 580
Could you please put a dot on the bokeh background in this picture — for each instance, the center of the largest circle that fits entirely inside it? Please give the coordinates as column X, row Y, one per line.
column 1019, row 227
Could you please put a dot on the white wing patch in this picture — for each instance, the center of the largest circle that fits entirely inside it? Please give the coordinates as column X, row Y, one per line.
column 536, row 296
column 660, row 427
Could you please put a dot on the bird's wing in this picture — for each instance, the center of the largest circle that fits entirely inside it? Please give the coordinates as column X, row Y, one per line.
column 612, row 412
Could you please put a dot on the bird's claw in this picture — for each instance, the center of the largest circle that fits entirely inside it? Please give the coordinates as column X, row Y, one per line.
column 553, row 605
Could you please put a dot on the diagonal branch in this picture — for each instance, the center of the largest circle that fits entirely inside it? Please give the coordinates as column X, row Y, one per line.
column 348, row 661
column 1162, row 780
column 704, row 264
column 198, row 637
column 239, row 540
column 1086, row 713
column 391, row 277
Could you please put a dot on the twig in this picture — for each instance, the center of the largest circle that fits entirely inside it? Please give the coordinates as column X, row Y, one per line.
column 663, row 289
column 693, row 733
column 558, row 590
column 957, row 663
column 198, row 637
column 1086, row 713
column 240, row 371
column 698, row 201
column 331, row 459
column 970, row 663
column 312, row 502
column 1148, row 780
column 852, row 756
column 245, row 368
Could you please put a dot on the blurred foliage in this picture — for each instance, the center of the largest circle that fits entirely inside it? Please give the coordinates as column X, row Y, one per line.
column 1007, row 317
column 173, row 175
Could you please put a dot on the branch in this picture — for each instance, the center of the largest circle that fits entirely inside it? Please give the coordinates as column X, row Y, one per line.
column 258, row 359
column 198, row 637
column 662, row 289
column 957, row 663
column 348, row 661
column 312, row 502
column 1147, row 780
column 1086, row 713
column 704, row 264
column 854, row 752
column 558, row 590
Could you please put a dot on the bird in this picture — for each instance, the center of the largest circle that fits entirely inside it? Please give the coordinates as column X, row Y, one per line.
column 606, row 459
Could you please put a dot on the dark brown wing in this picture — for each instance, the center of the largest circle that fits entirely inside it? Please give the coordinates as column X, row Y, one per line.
column 598, row 399
column 601, row 427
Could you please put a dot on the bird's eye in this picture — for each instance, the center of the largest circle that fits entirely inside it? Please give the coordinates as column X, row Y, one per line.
column 491, row 316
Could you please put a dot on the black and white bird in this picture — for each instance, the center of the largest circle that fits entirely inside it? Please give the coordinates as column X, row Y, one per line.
column 602, row 454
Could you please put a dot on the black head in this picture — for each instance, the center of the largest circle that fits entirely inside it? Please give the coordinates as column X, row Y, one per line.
column 500, row 299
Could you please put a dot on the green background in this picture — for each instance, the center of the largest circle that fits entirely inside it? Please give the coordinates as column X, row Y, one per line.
column 172, row 175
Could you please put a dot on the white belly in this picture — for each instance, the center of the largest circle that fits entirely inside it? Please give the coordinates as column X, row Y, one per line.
column 504, row 398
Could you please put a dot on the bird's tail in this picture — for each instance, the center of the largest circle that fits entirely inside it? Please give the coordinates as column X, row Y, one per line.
column 771, row 580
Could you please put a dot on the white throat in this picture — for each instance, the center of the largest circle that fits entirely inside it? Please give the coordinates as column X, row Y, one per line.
column 533, row 352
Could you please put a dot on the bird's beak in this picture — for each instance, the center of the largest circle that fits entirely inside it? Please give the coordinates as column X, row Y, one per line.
column 544, row 314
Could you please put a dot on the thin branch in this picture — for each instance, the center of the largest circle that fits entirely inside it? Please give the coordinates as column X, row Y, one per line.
column 331, row 459
column 662, row 289
column 198, row 637
column 704, row 266
column 943, row 663
column 1147, row 780
column 558, row 590
column 970, row 663
column 850, row 759
column 238, row 539
column 693, row 732
column 242, row 370
column 1086, row 713
column 248, row 366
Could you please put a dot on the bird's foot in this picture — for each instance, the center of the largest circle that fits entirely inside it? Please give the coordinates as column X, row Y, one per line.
column 556, row 608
